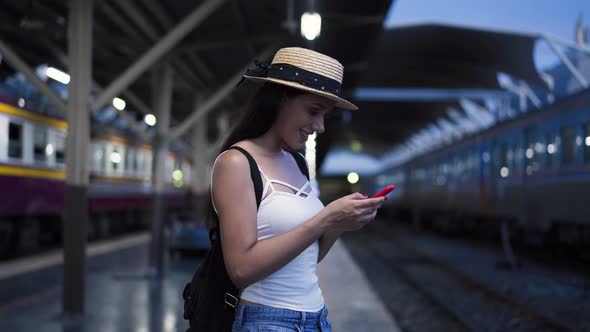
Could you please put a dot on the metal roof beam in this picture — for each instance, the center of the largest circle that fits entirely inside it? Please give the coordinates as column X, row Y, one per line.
column 423, row 94
column 196, row 17
column 157, row 10
column 566, row 61
column 14, row 60
column 133, row 99
column 213, row 100
column 216, row 43
column 151, row 36
column 240, row 20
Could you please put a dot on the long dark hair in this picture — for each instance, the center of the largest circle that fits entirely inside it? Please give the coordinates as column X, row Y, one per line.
column 258, row 118
column 260, row 114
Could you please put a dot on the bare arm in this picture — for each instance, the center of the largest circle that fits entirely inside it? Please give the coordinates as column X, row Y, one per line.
column 248, row 260
column 326, row 242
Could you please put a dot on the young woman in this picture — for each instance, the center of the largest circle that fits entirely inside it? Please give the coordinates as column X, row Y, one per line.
column 271, row 253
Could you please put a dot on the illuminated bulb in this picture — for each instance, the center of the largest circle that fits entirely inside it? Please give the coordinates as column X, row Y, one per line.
column 116, row 157
column 150, row 119
column 58, row 75
column 119, row 103
column 177, row 175
column 352, row 177
column 49, row 149
column 311, row 25
column 356, row 146
column 504, row 172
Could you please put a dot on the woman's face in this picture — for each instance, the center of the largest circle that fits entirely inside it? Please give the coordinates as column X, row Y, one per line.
column 300, row 117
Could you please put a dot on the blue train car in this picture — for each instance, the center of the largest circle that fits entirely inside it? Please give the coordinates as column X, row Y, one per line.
column 533, row 171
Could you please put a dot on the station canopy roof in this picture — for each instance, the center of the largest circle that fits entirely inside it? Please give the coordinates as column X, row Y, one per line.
column 237, row 32
column 435, row 58
column 214, row 52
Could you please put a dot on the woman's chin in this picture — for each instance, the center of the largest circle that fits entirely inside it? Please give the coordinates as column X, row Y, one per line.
column 295, row 145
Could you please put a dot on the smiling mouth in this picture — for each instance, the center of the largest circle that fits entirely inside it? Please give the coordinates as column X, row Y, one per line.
column 304, row 134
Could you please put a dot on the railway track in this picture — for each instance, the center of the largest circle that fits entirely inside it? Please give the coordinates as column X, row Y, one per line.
column 460, row 302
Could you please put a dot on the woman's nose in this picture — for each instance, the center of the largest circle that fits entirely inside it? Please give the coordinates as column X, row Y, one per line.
column 318, row 126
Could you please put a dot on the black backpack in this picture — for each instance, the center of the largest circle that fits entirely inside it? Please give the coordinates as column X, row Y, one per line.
column 210, row 299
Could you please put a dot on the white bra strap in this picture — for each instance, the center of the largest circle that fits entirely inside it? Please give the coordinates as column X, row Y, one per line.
column 302, row 189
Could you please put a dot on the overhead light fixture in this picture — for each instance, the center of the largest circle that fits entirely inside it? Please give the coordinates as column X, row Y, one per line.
column 119, row 103
column 58, row 75
column 352, row 177
column 177, row 175
column 356, row 146
column 115, row 157
column 150, row 119
column 311, row 25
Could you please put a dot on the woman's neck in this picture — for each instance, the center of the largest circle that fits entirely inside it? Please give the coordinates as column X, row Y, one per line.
column 269, row 144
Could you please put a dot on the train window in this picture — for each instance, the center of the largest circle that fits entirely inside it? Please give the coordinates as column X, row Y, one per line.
column 568, row 144
column 129, row 162
column 136, row 163
column 586, row 142
column 516, row 158
column 503, row 166
column 532, row 153
column 474, row 164
column 510, row 160
column 98, row 157
column 15, row 140
column 40, row 144
column 551, row 157
column 115, row 159
column 458, row 169
column 60, row 145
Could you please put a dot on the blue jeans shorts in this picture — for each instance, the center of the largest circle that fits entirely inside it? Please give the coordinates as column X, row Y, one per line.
column 256, row 319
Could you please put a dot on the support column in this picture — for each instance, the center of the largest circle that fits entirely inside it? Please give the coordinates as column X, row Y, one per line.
column 162, row 84
column 200, row 176
column 192, row 20
column 76, row 212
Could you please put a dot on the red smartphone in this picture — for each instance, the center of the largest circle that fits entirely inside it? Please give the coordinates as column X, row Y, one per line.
column 384, row 191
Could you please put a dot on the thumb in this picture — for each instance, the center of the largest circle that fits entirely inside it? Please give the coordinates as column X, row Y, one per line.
column 358, row 195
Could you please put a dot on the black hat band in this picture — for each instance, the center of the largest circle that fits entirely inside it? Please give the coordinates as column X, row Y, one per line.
column 286, row 72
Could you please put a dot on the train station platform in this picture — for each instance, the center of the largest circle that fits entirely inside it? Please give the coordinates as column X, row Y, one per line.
column 119, row 298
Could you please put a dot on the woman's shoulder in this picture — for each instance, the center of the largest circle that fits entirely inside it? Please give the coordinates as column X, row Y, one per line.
column 231, row 159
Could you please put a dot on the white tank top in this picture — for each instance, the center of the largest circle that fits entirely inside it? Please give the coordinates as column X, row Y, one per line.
column 294, row 286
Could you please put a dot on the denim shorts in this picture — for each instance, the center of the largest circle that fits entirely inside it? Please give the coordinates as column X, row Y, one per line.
column 257, row 318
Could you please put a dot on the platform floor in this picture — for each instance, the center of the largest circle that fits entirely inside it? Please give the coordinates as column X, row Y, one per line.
column 119, row 298
column 353, row 304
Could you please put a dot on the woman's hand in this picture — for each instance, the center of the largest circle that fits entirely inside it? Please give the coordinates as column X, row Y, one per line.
column 351, row 212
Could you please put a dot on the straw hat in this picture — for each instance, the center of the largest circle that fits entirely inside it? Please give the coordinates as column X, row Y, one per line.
column 306, row 70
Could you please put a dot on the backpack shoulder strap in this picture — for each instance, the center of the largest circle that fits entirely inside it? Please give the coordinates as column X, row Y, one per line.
column 300, row 162
column 254, row 173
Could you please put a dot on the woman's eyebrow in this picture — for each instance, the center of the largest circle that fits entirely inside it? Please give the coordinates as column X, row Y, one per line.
column 319, row 104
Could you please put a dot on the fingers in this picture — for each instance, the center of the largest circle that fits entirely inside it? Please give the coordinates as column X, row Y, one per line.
column 357, row 195
column 372, row 202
